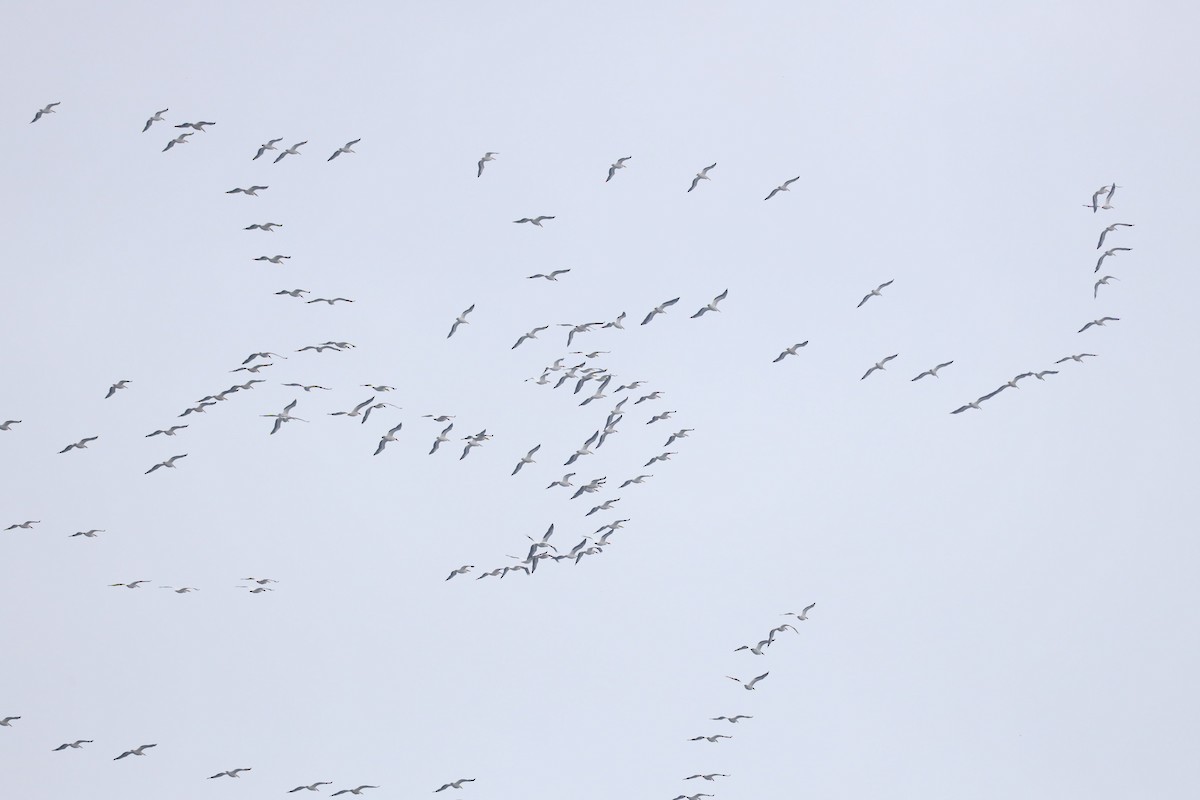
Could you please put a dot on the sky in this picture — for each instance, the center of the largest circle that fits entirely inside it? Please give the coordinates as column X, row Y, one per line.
column 1005, row 598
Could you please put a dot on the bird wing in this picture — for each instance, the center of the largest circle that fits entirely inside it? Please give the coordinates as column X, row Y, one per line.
column 865, row 299
column 774, row 192
column 695, row 180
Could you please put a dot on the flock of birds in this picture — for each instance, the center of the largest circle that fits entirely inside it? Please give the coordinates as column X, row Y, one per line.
column 582, row 373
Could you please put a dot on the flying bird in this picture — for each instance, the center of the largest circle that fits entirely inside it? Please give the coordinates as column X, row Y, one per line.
column 312, row 787
column 130, row 585
column 1112, row 251
column 8, row 423
column 390, row 436
column 78, row 743
column 269, row 227
column 708, row 777
column 975, row 404
column 659, row 309
column 356, row 411
column 748, row 685
column 359, row 790
column 48, row 109
column 460, row 320
column 158, row 117
column 876, row 292
column 791, row 351
column 137, row 751
column 878, row 365
column 89, row 534
column 1099, row 323
column 454, row 784
column 344, row 149
column 933, row 370
column 442, row 437
column 276, row 259
column 230, row 773
column 1111, row 229
column 283, row 416
column 80, row 445
column 170, row 462
column 711, row 306
column 526, row 459
column 709, row 738
column 486, row 158
column 803, row 615
column 270, row 145
column 196, row 126
column 330, row 300
column 180, row 139
column 7, row 722
column 463, row 570
column 531, row 335
column 250, row 192
column 1077, row 357
column 702, row 175
column 1102, row 282
column 535, row 220
column 294, row 150
column 639, row 479
column 783, row 187
column 553, row 276
column 732, row 719
column 28, row 524
column 616, row 165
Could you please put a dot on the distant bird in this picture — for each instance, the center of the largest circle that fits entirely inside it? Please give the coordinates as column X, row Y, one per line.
column 293, row 292
column 1012, row 382
column 711, row 306
column 294, row 150
column 196, row 126
column 531, row 335
column 80, row 445
column 682, row 433
column 878, row 365
column 308, row 387
column 269, row 227
column 1098, row 322
column 732, row 719
column 158, row 117
column 7, row 722
column 617, row 323
column 535, row 220
column 748, row 685
column 803, row 615
column 121, row 384
column 1077, row 357
column 1109, row 230
column 48, row 109
column 454, row 784
column 8, row 423
column 312, row 787
column 29, row 523
column 659, row 418
column 692, row 796
column 250, row 192
column 254, row 368
column 197, row 409
column 1112, row 251
column 605, row 506
column 130, row 585
column 1112, row 189
column 791, row 351
column 876, row 292
column 463, row 570
column 181, row 590
column 702, row 175
column 616, row 165
column 783, row 187
column 460, row 320
column 330, row 300
column 779, row 629
column 270, row 145
column 230, row 773
column 564, row 481
column 975, row 404
column 137, row 751
column 659, row 309
column 77, row 744
column 933, row 370
column 586, row 450
column 390, row 436
column 709, row 738
column 553, row 276
column 274, row 260
column 180, row 139
column 526, row 459
column 639, row 479
column 486, row 158
column 756, row 649
column 708, row 777
column 1102, row 282
column 267, row 354
column 283, row 416
column 354, row 412
column 170, row 462
column 344, row 149
column 89, row 534
column 359, row 790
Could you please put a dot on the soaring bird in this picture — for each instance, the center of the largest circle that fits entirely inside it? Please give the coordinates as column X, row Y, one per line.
column 552, row 276
column 616, row 165
column 344, row 149
column 312, row 787
column 196, row 126
column 486, row 158
column 734, row 719
column 463, row 570
column 711, row 306
column 803, row 615
column 80, row 445
column 526, row 459
column 1112, row 251
column 460, row 320
column 28, row 524
column 756, row 649
column 294, row 150
column 121, row 384
column 1098, row 322
column 269, row 227
column 230, row 773
column 1077, row 357
column 933, row 370
column 975, row 404
column 876, row 292
column 748, row 685
column 276, row 259
column 78, row 743
column 702, row 175
column 442, row 437
column 158, row 117
column 659, row 309
column 639, row 479
column 270, row 145
column 390, row 436
column 454, row 784
column 783, row 187
column 48, row 109
column 330, row 300
column 180, row 139
column 708, row 777
column 682, row 433
column 535, row 220
column 89, row 534
column 791, row 351
column 7, row 722
column 531, row 335
column 8, row 423
column 1102, row 282
column 1110, row 229
column 359, row 790
column 251, row 192
column 130, row 585
column 357, row 410
column 878, row 365
column 709, row 738
column 283, row 416
column 564, row 481
column 137, row 751
column 586, row 450
column 170, row 463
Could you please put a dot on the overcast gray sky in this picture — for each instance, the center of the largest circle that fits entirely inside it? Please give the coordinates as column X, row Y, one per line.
column 1006, row 598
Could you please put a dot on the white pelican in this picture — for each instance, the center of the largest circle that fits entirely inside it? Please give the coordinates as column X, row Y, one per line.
column 702, row 175
column 783, row 187
column 878, row 365
column 616, row 165
column 344, row 149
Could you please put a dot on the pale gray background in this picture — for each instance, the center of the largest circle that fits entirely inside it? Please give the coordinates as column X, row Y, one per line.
column 1006, row 598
